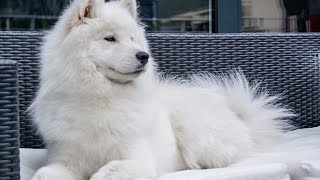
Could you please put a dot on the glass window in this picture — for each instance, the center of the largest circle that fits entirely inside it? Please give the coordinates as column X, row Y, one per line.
column 29, row 15
column 263, row 16
column 159, row 15
column 314, row 7
column 181, row 16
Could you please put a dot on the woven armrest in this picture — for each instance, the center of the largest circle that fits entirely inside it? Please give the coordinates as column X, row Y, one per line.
column 9, row 121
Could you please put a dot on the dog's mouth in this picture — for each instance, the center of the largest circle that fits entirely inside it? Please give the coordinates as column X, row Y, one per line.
column 120, row 77
column 136, row 72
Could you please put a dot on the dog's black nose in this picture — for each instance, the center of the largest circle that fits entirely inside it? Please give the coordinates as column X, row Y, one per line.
column 142, row 57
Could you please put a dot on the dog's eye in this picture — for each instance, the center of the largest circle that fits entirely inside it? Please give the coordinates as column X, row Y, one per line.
column 110, row 39
column 131, row 38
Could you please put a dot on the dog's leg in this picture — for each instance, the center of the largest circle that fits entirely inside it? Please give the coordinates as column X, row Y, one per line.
column 54, row 172
column 123, row 170
column 139, row 165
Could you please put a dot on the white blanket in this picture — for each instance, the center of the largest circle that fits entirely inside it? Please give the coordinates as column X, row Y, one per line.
column 297, row 159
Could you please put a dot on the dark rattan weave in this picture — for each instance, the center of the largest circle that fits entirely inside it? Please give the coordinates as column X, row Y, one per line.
column 286, row 63
column 9, row 123
column 23, row 48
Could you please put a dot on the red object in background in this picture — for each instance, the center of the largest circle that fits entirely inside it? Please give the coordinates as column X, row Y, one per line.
column 313, row 24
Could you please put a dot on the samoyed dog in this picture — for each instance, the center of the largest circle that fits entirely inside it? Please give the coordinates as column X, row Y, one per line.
column 105, row 114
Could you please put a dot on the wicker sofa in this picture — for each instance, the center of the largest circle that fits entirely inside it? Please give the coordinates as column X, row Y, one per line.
column 285, row 63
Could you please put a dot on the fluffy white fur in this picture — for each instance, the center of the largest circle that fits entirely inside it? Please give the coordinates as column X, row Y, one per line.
column 103, row 120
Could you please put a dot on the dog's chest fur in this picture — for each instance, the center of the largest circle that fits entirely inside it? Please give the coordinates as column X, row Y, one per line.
column 97, row 131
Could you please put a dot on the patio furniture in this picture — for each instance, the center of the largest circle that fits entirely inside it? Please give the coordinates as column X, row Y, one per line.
column 285, row 63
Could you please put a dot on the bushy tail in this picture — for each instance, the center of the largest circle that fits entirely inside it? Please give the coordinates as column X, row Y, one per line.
column 261, row 112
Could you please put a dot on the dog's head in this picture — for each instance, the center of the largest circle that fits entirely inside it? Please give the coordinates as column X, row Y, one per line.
column 108, row 35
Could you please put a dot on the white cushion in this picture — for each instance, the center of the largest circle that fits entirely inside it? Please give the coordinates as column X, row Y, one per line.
column 298, row 158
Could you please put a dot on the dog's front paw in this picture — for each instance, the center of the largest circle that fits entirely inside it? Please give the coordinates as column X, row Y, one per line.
column 125, row 170
column 114, row 170
column 41, row 176
column 53, row 172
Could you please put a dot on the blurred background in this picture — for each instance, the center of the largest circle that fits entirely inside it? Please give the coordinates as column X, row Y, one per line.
column 206, row 16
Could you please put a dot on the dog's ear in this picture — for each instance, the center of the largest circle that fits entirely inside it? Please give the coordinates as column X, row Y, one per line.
column 80, row 10
column 89, row 8
column 131, row 5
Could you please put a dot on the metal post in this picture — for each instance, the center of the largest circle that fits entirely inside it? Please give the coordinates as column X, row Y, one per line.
column 210, row 16
column 155, row 15
column 32, row 24
column 228, row 16
column 8, row 24
column 183, row 26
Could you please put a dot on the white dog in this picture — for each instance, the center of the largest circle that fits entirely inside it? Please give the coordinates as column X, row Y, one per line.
column 105, row 115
